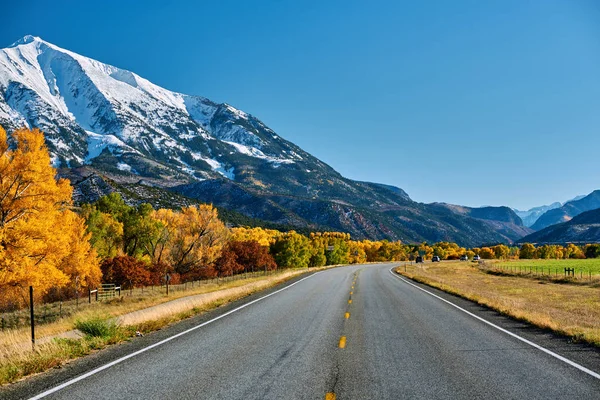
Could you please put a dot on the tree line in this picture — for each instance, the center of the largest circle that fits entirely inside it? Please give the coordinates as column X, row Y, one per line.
column 48, row 243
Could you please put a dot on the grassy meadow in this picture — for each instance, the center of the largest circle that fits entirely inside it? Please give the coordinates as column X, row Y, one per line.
column 583, row 269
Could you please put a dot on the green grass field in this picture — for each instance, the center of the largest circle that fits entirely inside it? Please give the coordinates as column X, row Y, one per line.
column 583, row 268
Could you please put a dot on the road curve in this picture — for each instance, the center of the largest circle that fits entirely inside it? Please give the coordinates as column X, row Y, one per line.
column 358, row 332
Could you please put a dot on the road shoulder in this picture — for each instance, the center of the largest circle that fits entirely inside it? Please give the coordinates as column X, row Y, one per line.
column 584, row 354
column 35, row 384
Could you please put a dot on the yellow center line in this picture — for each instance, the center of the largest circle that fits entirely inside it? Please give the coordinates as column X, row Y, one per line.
column 350, row 301
column 342, row 342
column 350, row 293
column 347, row 315
column 330, row 396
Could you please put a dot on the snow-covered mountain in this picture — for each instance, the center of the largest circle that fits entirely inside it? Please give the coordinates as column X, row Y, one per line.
column 124, row 130
column 93, row 112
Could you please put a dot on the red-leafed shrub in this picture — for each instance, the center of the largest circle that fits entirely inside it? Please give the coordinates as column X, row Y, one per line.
column 197, row 274
column 252, row 256
column 244, row 256
column 159, row 271
column 226, row 264
column 126, row 271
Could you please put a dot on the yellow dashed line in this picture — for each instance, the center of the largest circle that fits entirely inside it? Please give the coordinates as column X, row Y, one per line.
column 330, row 396
column 347, row 315
column 350, row 301
column 351, row 293
column 342, row 342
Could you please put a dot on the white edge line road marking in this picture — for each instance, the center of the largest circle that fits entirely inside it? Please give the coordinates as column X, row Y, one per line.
column 119, row 360
column 553, row 354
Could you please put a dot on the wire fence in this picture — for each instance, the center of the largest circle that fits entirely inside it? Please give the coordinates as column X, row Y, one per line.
column 552, row 272
column 72, row 301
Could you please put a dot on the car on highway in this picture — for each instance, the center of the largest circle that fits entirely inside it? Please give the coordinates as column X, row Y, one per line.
column 476, row 258
column 435, row 259
column 419, row 259
column 464, row 258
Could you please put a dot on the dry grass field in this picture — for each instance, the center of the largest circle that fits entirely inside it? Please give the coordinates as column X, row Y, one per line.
column 570, row 308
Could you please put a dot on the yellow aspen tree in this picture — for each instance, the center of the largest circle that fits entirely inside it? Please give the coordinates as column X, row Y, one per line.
column 38, row 233
column 157, row 247
column 196, row 237
column 80, row 262
column 357, row 253
column 265, row 237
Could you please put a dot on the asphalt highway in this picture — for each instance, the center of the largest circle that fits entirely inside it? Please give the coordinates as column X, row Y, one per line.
column 356, row 332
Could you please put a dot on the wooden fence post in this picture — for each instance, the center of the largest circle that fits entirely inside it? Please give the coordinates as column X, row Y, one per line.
column 32, row 318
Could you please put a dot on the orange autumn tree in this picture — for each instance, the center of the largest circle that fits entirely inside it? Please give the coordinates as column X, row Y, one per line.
column 190, row 240
column 42, row 242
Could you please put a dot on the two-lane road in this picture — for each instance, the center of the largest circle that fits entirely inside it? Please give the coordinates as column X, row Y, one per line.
column 405, row 343
column 400, row 342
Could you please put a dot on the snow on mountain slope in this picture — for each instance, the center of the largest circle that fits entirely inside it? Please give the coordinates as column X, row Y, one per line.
column 122, row 127
column 86, row 107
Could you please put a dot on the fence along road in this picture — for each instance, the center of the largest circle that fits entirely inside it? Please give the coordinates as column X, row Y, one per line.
column 348, row 333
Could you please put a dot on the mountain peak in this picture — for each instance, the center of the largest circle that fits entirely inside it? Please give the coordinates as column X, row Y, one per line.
column 100, row 118
column 26, row 40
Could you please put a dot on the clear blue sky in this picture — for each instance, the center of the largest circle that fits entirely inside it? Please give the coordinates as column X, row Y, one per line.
column 466, row 102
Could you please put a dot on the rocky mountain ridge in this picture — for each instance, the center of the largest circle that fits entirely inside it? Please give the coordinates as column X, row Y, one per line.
column 102, row 120
column 583, row 228
column 530, row 216
column 567, row 211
